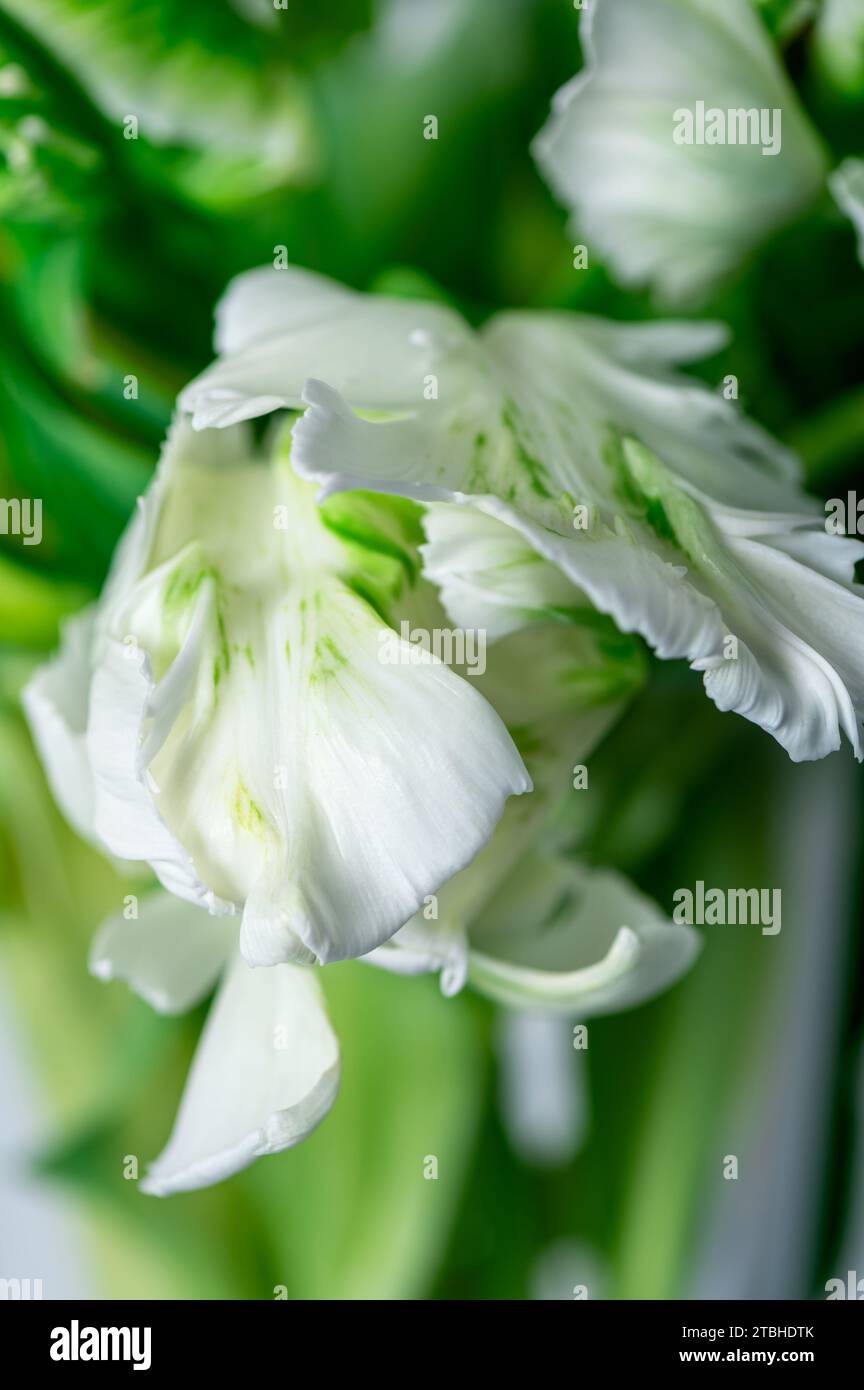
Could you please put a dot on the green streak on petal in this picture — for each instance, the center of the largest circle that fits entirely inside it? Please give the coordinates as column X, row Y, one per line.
column 225, row 655
column 387, row 525
column 222, row 664
column 367, row 593
column 380, row 536
column 674, row 516
column 533, row 467
column 328, row 662
column 248, row 813
column 614, row 459
column 183, row 586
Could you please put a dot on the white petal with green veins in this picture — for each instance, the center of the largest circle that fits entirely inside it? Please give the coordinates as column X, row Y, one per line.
column 245, row 734
column 527, row 426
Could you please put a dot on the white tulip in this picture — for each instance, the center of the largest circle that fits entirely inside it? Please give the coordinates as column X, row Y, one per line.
column 662, row 505
column 223, row 714
column 523, row 926
column 169, row 694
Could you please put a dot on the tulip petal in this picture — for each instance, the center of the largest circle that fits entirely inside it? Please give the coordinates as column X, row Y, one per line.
column 795, row 666
column 674, row 532
column 393, row 783
column 262, row 737
column 677, row 212
column 425, row 947
column 553, row 935
column 558, row 688
column 560, row 936
column 171, row 954
column 276, row 328
column 622, row 571
column 56, row 702
column 127, row 706
column 489, row 577
column 265, row 1074
column 533, row 423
